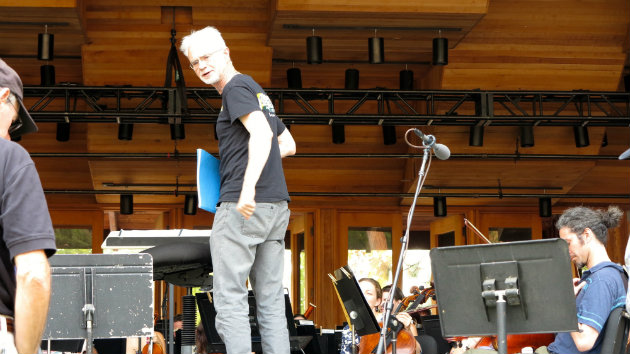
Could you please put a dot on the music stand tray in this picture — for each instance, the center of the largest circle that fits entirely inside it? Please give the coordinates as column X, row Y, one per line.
column 100, row 296
column 533, row 277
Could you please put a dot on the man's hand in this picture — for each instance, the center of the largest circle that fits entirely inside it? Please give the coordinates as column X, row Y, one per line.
column 246, row 203
column 578, row 284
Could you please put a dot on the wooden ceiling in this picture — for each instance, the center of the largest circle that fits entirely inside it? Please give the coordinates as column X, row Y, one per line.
column 493, row 45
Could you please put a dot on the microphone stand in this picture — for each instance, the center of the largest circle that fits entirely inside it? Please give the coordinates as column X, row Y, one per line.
column 380, row 349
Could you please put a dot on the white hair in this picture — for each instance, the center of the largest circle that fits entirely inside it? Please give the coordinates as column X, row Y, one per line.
column 208, row 34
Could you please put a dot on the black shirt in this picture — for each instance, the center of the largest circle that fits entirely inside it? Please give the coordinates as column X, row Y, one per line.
column 241, row 96
column 24, row 219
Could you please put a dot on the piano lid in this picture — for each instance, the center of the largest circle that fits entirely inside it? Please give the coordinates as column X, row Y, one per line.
column 134, row 241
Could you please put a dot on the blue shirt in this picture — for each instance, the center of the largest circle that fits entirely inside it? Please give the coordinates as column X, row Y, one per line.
column 603, row 292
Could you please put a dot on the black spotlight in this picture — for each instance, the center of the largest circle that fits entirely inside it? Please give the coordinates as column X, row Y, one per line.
column 439, row 206
column 63, row 131
column 626, row 82
column 605, row 139
column 352, row 79
column 389, row 134
column 475, row 137
column 527, row 135
column 294, row 78
column 126, row 204
column 338, row 134
column 314, row 49
column 190, row 204
column 440, row 51
column 406, row 80
column 376, row 47
column 544, row 207
column 178, row 132
column 580, row 134
column 125, row 131
column 47, row 75
column 45, row 46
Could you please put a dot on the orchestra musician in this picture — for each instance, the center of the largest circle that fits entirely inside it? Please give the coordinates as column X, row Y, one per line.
column 602, row 286
column 373, row 294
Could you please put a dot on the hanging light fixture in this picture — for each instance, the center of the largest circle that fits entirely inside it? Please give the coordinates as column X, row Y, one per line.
column 439, row 206
column 190, row 204
column 45, row 51
column 440, row 50
column 475, row 137
column 63, row 130
column 376, row 48
column 389, row 134
column 294, row 78
column 314, row 49
column 406, row 79
column 177, row 131
column 352, row 79
column 338, row 133
column 125, row 131
column 580, row 133
column 544, row 207
column 126, row 204
column 527, row 135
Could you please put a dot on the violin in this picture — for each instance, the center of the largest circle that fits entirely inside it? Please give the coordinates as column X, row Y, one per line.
column 405, row 340
column 155, row 345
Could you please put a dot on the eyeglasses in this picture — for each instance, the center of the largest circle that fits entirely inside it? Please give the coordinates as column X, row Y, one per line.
column 195, row 63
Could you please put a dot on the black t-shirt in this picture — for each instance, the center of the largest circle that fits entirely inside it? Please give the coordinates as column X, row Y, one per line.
column 24, row 219
column 241, row 96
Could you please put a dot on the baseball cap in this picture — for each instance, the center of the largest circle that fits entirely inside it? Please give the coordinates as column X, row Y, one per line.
column 10, row 79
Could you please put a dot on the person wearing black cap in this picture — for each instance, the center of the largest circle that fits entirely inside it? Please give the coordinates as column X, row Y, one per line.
column 26, row 234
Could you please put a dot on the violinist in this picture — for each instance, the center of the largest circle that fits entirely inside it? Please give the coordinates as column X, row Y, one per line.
column 374, row 296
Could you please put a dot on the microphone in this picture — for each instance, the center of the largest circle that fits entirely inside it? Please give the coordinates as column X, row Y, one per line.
column 441, row 151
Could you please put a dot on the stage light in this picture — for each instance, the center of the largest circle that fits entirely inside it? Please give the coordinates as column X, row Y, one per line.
column 475, row 137
column 440, row 51
column 126, row 204
column 178, row 132
column 389, row 134
column 338, row 133
column 376, row 48
column 439, row 206
column 580, row 134
column 294, row 78
column 125, row 131
column 63, row 131
column 544, row 207
column 314, row 50
column 406, row 80
column 527, row 135
column 352, row 79
column 190, row 204
column 45, row 45
column 47, row 75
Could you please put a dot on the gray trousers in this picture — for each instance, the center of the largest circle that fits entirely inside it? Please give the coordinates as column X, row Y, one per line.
column 254, row 248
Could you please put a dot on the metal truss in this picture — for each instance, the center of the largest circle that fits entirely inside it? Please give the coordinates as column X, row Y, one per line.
column 336, row 106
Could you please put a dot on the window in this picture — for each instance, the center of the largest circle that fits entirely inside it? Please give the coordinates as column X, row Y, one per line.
column 74, row 240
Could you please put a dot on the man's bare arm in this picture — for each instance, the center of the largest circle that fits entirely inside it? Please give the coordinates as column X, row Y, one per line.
column 585, row 337
column 31, row 300
column 286, row 143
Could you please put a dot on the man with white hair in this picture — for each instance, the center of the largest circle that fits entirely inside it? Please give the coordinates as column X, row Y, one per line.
column 26, row 233
column 252, row 215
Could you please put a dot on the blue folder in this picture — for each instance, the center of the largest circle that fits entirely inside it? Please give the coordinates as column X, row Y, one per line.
column 208, row 181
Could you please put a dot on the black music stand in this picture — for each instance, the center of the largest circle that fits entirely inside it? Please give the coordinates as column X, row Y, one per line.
column 515, row 287
column 361, row 317
column 97, row 296
column 215, row 343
